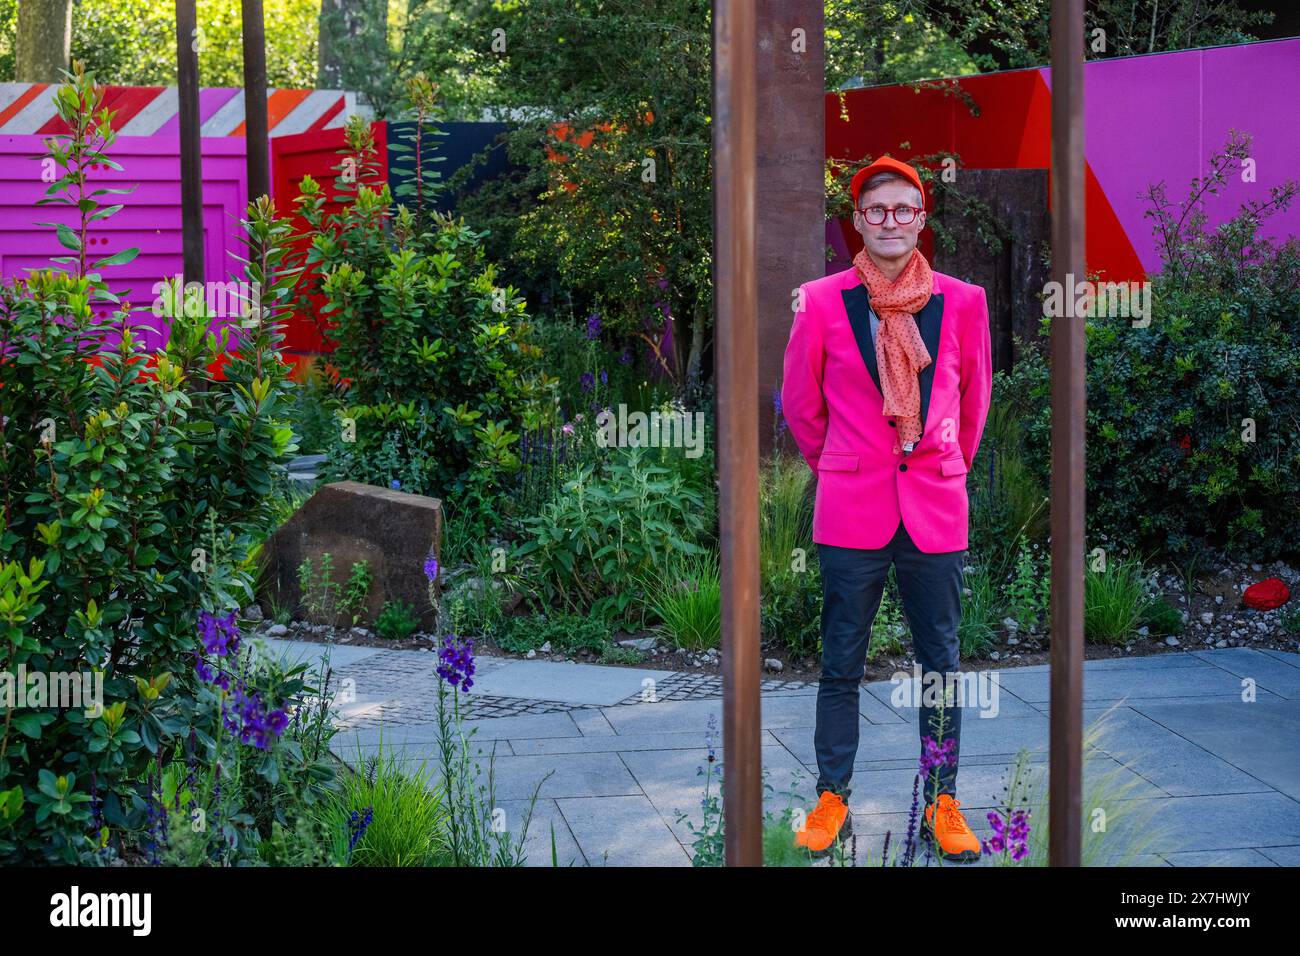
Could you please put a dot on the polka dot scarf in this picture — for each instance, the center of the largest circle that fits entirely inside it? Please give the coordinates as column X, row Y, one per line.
column 900, row 352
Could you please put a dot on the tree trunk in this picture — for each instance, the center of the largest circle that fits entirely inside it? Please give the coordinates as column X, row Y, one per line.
column 44, row 40
column 343, row 25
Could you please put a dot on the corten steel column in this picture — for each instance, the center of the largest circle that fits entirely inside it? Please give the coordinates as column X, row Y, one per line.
column 736, row 360
column 1068, row 401
column 187, row 94
column 255, row 142
column 791, row 210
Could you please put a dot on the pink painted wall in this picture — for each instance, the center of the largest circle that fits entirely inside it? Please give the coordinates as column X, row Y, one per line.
column 1162, row 116
column 151, row 219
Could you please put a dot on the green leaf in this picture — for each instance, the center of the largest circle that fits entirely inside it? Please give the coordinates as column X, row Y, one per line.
column 118, row 258
column 68, row 238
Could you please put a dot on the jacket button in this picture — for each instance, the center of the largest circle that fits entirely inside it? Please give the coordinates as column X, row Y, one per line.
column 902, row 468
column 892, row 423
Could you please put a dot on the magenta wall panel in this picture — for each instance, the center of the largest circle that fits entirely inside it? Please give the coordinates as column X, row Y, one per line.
column 151, row 219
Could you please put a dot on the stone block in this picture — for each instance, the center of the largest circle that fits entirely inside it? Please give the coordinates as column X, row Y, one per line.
column 393, row 530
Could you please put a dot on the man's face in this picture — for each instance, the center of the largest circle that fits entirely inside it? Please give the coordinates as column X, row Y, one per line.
column 889, row 241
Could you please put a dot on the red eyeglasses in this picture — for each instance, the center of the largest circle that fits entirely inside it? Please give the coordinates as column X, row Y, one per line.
column 903, row 215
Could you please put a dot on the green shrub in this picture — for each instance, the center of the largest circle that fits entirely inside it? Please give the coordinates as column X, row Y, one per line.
column 785, row 515
column 1008, row 499
column 979, row 614
column 315, row 409
column 396, row 621
column 790, row 611
column 610, row 528
column 1114, row 601
column 397, row 815
column 1193, row 426
column 441, row 370
column 1162, row 617
column 130, row 501
column 1029, row 592
column 566, row 633
column 687, row 597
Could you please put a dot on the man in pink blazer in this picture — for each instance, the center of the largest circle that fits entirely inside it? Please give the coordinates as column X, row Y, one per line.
column 891, row 477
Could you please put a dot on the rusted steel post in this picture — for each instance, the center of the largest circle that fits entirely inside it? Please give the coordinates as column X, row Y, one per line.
column 1068, row 401
column 735, row 299
column 187, row 94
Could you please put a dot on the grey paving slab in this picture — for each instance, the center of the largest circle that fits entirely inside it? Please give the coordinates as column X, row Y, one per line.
column 619, row 743
column 1282, row 855
column 674, row 784
column 875, row 710
column 987, row 700
column 516, row 778
column 684, row 716
column 569, row 682
column 1286, row 657
column 1277, row 677
column 1262, row 739
column 1228, row 822
column 1004, row 735
column 340, row 655
column 592, row 722
column 622, row 831
column 1093, row 707
column 1169, row 760
column 1162, row 661
column 979, row 786
column 537, row 841
column 1222, row 777
column 500, row 728
column 1219, row 858
column 1115, row 683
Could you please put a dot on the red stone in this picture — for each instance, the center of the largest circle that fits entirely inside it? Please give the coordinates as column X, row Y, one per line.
column 1267, row 594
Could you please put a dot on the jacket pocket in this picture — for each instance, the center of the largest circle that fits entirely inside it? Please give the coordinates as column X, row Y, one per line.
column 834, row 461
column 953, row 466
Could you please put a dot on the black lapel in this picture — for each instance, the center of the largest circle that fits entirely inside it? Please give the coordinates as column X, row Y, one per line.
column 857, row 304
column 929, row 322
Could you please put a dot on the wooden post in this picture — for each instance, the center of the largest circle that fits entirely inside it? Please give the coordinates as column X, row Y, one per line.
column 255, row 122
column 187, row 92
column 735, row 298
column 1068, row 407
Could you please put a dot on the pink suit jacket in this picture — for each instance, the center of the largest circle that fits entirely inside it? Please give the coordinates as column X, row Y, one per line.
column 832, row 402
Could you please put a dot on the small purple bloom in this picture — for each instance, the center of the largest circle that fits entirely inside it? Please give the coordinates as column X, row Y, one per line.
column 625, row 357
column 588, row 381
column 395, row 485
column 456, row 661
column 358, row 824
column 604, row 377
column 219, row 635
column 593, row 325
column 431, row 567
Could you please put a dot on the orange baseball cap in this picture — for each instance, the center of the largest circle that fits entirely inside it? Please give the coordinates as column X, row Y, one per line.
column 882, row 165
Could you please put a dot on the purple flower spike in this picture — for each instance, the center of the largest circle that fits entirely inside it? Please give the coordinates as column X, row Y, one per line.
column 431, row 567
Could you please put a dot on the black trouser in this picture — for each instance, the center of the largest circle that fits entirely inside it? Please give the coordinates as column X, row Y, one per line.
column 853, row 580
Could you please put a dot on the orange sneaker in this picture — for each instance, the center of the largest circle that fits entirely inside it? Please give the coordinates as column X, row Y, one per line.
column 956, row 840
column 829, row 820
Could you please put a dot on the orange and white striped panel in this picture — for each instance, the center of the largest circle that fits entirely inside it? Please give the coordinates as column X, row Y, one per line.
column 28, row 108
